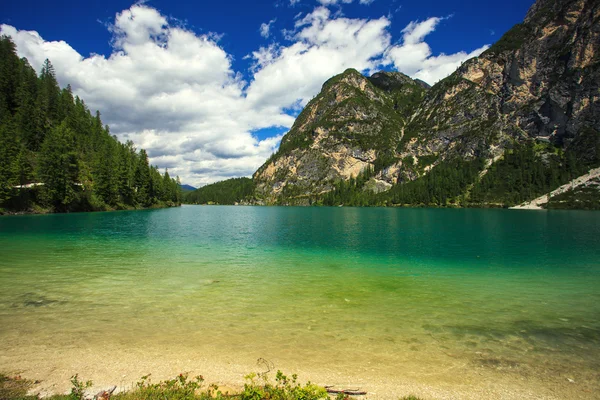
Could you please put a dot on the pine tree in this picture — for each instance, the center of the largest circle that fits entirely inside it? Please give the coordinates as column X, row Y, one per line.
column 26, row 106
column 47, row 135
column 9, row 166
column 9, row 73
column 59, row 167
column 142, row 180
column 126, row 172
column 106, row 182
column 179, row 191
column 49, row 91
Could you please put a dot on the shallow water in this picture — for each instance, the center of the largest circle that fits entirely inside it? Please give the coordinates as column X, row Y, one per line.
column 430, row 296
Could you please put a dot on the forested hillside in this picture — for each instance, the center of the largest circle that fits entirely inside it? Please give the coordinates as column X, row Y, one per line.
column 512, row 124
column 56, row 156
column 226, row 192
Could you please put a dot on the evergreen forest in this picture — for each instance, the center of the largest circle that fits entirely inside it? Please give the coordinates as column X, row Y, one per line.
column 57, row 156
column 526, row 171
column 227, row 192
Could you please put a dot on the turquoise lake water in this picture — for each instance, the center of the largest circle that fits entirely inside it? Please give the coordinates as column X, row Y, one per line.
column 416, row 291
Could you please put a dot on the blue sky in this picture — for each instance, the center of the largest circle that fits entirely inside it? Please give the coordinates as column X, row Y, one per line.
column 209, row 87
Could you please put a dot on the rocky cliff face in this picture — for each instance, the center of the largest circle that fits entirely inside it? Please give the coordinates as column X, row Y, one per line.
column 353, row 124
column 544, row 72
column 539, row 82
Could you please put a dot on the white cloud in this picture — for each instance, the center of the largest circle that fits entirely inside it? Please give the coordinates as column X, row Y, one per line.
column 336, row 2
column 333, row 2
column 436, row 68
column 321, row 48
column 175, row 93
column 414, row 56
column 169, row 90
column 265, row 28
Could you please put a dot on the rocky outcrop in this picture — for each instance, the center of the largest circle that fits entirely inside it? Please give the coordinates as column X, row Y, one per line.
column 545, row 72
column 539, row 82
column 591, row 179
column 353, row 124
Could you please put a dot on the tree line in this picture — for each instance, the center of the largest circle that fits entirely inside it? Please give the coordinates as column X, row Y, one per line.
column 526, row 171
column 227, row 192
column 58, row 156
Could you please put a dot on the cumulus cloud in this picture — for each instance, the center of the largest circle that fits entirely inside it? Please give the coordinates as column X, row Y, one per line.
column 322, row 47
column 413, row 56
column 335, row 2
column 174, row 91
column 332, row 2
column 170, row 90
column 265, row 28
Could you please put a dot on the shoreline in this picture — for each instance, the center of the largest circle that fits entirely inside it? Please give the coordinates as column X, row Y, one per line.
column 158, row 294
column 116, row 368
column 42, row 211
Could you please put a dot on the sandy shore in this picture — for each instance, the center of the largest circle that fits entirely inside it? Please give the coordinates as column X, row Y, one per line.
column 123, row 367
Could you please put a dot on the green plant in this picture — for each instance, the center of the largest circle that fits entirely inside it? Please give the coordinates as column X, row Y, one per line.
column 78, row 388
column 178, row 388
column 285, row 388
column 342, row 396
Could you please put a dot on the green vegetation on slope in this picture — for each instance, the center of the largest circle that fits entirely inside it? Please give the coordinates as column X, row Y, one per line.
column 57, row 156
column 351, row 192
column 230, row 191
column 526, row 172
column 399, row 96
column 511, row 40
column 444, row 185
column 580, row 198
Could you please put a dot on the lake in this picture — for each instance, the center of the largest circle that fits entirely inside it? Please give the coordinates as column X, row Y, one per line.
column 438, row 302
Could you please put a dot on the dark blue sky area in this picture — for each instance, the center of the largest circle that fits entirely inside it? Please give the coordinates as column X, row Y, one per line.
column 84, row 24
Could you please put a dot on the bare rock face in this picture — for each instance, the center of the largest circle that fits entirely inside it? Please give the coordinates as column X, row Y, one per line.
column 540, row 81
column 354, row 123
column 545, row 71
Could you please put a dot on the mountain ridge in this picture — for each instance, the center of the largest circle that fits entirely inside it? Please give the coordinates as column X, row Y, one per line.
column 537, row 88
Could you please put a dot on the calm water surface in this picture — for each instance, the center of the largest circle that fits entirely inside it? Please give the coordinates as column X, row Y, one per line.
column 416, row 291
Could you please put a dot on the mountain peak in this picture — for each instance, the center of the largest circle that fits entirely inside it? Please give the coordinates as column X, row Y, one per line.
column 392, row 80
column 539, row 83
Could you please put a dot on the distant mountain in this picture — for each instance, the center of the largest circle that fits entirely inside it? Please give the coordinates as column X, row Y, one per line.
column 506, row 127
column 187, row 188
column 228, row 192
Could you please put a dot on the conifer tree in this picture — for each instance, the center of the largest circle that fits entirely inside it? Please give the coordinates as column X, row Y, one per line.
column 9, row 162
column 48, row 135
column 142, row 179
column 59, row 167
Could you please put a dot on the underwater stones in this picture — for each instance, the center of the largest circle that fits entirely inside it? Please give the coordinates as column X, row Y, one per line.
column 34, row 300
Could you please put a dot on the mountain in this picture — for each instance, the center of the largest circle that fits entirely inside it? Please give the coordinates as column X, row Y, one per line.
column 228, row 192
column 187, row 188
column 512, row 124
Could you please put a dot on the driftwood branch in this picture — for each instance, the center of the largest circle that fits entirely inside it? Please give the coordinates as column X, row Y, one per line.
column 105, row 394
column 349, row 392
